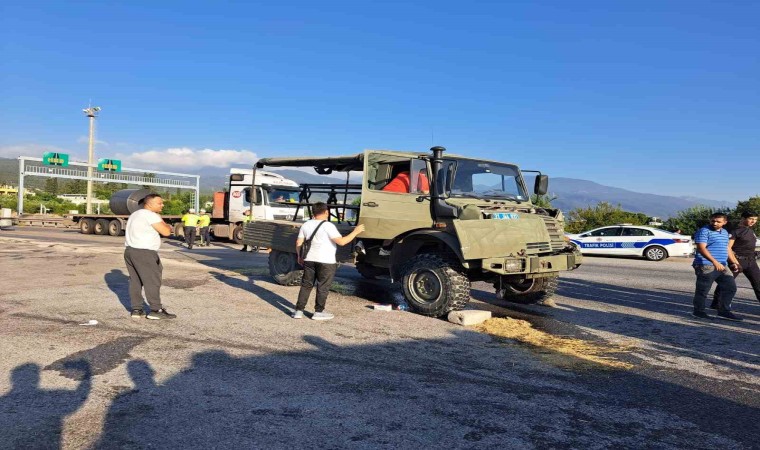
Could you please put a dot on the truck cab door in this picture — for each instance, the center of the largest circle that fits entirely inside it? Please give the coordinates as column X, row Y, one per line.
column 390, row 192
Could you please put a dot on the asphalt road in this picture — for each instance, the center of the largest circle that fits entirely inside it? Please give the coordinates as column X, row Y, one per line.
column 234, row 370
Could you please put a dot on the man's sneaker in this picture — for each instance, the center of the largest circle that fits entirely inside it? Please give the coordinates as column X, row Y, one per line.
column 728, row 315
column 137, row 314
column 322, row 316
column 298, row 315
column 701, row 315
column 160, row 315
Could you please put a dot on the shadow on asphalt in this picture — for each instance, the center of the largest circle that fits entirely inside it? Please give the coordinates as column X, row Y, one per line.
column 413, row 394
column 32, row 417
column 118, row 283
column 700, row 340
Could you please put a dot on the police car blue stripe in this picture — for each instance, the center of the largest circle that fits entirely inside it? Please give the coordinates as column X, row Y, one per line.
column 613, row 244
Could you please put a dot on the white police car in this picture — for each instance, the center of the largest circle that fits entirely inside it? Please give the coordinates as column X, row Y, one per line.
column 653, row 244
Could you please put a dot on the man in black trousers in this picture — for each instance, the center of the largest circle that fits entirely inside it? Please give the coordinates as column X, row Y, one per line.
column 143, row 239
column 742, row 242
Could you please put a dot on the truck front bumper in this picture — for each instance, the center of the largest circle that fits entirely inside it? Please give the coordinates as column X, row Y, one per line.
column 530, row 266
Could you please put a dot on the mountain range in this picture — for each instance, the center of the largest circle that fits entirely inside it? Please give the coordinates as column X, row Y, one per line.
column 570, row 193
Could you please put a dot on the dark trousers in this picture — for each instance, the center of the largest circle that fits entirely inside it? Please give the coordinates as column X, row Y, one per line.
column 205, row 235
column 706, row 276
column 190, row 236
column 324, row 275
column 751, row 271
column 145, row 270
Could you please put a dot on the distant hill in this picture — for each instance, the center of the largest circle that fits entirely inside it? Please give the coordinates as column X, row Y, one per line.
column 574, row 193
column 571, row 192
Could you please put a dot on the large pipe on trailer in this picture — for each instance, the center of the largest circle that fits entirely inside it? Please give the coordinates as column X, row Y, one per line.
column 127, row 201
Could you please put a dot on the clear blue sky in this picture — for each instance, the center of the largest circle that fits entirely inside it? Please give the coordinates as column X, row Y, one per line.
column 652, row 96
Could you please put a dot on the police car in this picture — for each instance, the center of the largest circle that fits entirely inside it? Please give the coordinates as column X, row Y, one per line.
column 653, row 244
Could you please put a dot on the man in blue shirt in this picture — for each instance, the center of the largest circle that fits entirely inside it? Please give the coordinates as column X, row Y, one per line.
column 710, row 266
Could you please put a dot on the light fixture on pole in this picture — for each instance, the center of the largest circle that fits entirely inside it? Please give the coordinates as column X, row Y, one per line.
column 92, row 113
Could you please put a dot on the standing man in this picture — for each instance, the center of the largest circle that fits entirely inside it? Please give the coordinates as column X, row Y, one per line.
column 190, row 220
column 742, row 242
column 710, row 267
column 246, row 219
column 204, row 222
column 143, row 239
column 319, row 263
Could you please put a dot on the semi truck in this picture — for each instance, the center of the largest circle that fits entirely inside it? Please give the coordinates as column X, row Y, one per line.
column 275, row 198
column 457, row 220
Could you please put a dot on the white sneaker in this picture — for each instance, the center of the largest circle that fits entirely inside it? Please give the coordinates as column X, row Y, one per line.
column 322, row 316
column 298, row 315
column 384, row 252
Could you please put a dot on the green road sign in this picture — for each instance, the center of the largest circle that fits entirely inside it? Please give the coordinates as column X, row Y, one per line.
column 109, row 165
column 55, row 159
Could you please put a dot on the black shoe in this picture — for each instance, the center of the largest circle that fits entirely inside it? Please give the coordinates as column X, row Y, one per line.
column 244, row 249
column 728, row 315
column 137, row 314
column 161, row 314
column 701, row 315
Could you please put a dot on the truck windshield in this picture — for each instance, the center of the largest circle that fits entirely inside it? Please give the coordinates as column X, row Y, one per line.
column 281, row 195
column 481, row 179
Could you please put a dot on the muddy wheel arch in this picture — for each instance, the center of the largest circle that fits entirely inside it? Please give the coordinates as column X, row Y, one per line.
column 421, row 241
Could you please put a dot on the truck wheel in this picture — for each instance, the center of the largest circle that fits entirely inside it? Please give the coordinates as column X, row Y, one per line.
column 370, row 272
column 101, row 227
column 435, row 285
column 114, row 227
column 533, row 290
column 237, row 234
column 86, row 226
column 284, row 268
column 655, row 253
column 179, row 230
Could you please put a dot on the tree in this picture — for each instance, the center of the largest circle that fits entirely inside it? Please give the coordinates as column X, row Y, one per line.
column 690, row 220
column 543, row 201
column 603, row 214
column 51, row 186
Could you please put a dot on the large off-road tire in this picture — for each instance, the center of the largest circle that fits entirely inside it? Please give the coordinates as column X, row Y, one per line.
column 101, row 227
column 370, row 272
column 115, row 228
column 532, row 290
column 284, row 268
column 86, row 226
column 434, row 285
column 237, row 234
column 655, row 253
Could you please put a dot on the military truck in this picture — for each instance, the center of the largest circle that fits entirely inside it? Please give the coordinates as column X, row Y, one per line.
column 459, row 220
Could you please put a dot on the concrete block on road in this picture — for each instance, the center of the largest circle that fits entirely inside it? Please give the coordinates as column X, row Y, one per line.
column 467, row 318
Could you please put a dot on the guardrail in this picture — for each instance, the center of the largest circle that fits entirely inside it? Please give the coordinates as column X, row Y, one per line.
column 41, row 221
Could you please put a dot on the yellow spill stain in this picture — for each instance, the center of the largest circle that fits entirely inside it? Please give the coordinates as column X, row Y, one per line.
column 562, row 351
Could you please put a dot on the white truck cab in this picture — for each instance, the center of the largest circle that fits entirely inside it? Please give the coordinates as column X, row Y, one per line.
column 275, row 197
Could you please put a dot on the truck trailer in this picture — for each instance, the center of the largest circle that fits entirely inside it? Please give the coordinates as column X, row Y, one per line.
column 276, row 198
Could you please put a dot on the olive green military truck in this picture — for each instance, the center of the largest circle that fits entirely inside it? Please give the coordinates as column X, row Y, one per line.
column 433, row 223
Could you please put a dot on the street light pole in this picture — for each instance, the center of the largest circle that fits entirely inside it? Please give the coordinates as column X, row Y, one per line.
column 91, row 112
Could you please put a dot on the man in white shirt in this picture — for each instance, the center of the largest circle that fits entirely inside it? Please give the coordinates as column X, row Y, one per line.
column 143, row 239
column 319, row 263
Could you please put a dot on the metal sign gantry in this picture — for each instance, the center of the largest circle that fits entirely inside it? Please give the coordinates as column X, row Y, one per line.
column 161, row 179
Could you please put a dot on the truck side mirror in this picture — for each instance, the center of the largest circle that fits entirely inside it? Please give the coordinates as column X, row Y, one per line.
column 542, row 185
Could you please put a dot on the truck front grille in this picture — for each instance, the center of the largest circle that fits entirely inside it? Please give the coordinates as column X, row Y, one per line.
column 538, row 247
column 555, row 233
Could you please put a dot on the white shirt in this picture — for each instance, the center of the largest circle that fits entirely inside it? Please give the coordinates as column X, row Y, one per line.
column 322, row 248
column 140, row 232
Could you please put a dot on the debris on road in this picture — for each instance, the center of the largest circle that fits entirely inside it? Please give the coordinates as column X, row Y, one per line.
column 562, row 351
column 468, row 317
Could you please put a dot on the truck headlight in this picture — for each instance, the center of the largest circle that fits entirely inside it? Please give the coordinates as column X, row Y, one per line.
column 513, row 265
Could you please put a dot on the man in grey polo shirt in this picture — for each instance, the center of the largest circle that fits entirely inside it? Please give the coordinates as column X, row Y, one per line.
column 711, row 266
column 143, row 239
